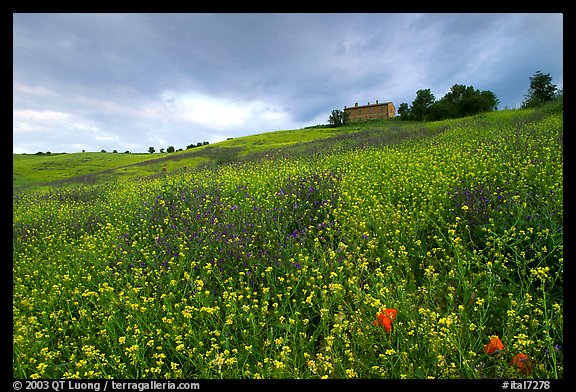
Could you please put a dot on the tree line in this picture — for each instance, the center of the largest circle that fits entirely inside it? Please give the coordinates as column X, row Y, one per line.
column 171, row 149
column 151, row 149
column 462, row 101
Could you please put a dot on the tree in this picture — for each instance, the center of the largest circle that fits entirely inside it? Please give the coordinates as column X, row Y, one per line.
column 541, row 90
column 170, row 149
column 489, row 101
column 337, row 118
column 421, row 105
column 462, row 101
column 404, row 111
column 151, row 150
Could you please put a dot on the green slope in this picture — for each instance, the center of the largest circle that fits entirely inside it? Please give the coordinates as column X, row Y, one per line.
column 281, row 259
column 33, row 171
column 57, row 169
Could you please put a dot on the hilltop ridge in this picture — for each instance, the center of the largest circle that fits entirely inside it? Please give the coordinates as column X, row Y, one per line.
column 33, row 171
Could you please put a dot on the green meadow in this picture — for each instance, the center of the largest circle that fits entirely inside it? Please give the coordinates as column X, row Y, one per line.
column 58, row 170
column 281, row 255
column 33, row 170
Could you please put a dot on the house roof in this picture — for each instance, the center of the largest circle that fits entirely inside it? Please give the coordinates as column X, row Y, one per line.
column 369, row 105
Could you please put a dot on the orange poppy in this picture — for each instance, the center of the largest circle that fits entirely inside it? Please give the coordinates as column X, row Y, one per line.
column 522, row 362
column 385, row 319
column 494, row 346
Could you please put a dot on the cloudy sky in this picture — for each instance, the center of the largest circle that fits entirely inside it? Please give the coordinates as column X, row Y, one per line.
column 130, row 81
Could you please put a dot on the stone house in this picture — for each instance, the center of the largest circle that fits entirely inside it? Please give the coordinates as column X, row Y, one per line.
column 370, row 111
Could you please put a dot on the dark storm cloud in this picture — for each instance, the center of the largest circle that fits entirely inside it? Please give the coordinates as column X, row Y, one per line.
column 129, row 81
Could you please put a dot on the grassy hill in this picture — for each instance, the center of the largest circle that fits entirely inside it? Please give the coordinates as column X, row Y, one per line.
column 39, row 169
column 56, row 170
column 379, row 250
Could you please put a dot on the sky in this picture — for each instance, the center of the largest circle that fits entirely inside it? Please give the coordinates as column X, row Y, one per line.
column 127, row 82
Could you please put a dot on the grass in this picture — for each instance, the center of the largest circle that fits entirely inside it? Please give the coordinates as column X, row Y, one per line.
column 275, row 264
column 34, row 169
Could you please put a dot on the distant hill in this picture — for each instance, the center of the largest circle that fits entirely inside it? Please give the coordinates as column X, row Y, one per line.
column 33, row 171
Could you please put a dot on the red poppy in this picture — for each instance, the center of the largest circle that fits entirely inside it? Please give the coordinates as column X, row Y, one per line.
column 385, row 319
column 494, row 346
column 522, row 362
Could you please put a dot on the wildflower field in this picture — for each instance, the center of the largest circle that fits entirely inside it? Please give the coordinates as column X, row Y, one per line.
column 438, row 256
